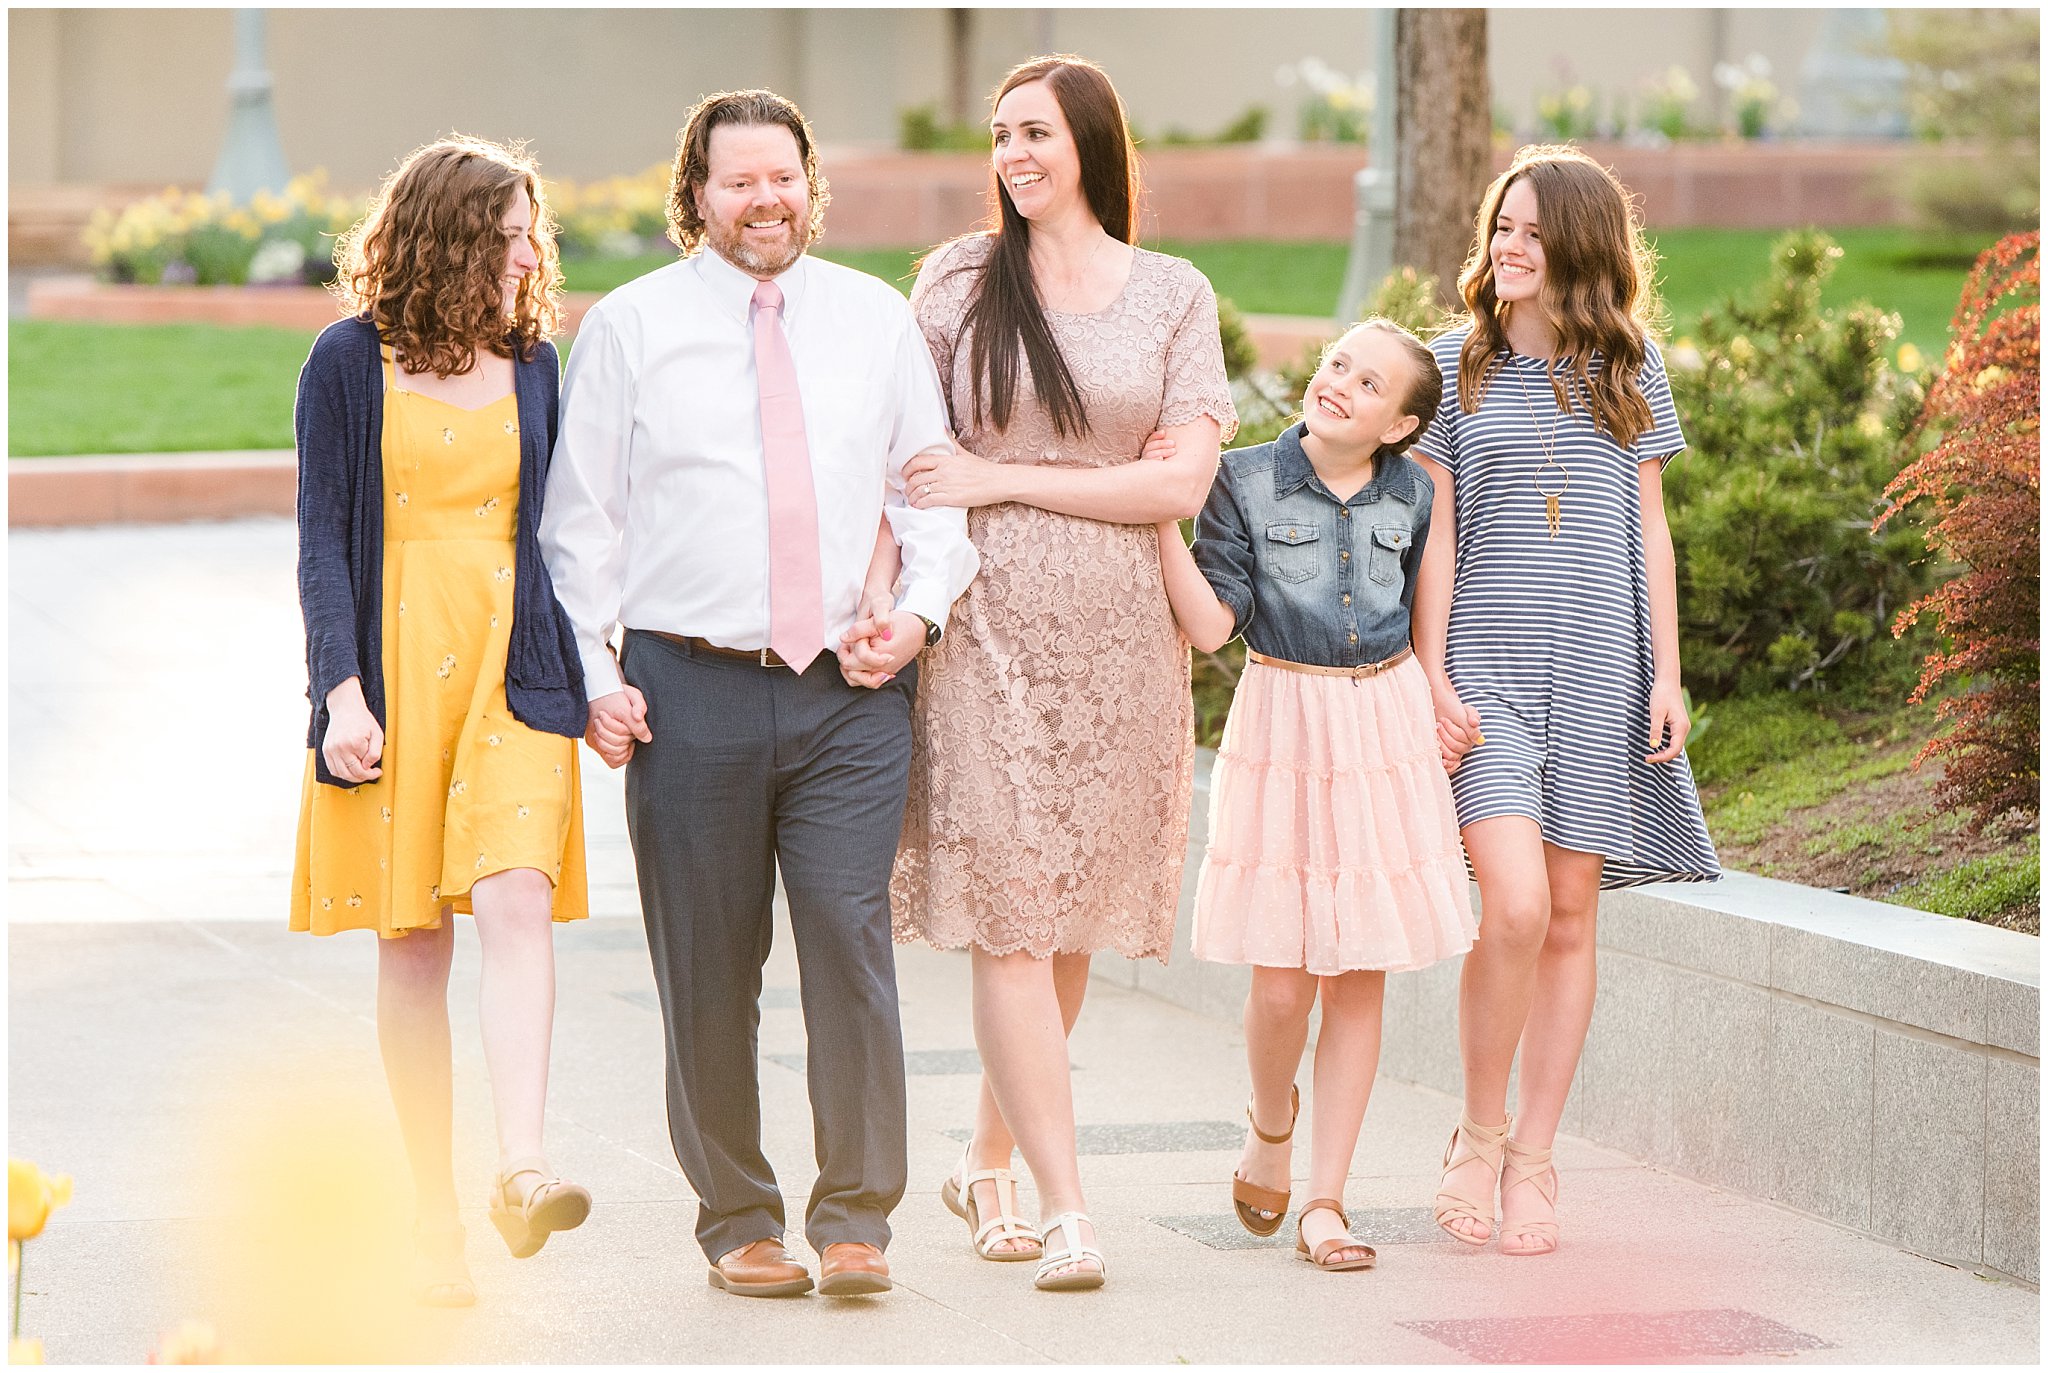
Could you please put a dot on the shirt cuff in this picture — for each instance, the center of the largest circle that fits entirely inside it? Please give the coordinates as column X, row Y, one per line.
column 601, row 674
column 927, row 600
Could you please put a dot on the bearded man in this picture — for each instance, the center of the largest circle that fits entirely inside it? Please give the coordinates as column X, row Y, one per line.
column 734, row 431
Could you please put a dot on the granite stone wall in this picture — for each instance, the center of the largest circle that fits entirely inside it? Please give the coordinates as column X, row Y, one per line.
column 1873, row 1065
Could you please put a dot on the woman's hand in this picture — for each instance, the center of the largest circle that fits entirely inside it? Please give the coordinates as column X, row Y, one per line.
column 1667, row 712
column 877, row 647
column 1457, row 724
column 1159, row 445
column 354, row 743
column 953, row 477
column 616, row 722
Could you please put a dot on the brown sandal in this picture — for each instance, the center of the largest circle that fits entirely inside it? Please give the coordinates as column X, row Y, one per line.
column 1248, row 1198
column 551, row 1205
column 1337, row 1245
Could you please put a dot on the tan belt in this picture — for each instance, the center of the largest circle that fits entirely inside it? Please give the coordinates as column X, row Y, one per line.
column 761, row 657
column 1363, row 670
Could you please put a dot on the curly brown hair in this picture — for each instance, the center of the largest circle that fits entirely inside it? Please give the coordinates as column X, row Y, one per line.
column 425, row 263
column 1599, row 289
column 692, row 167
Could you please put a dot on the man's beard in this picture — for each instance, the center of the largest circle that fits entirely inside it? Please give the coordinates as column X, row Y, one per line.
column 730, row 241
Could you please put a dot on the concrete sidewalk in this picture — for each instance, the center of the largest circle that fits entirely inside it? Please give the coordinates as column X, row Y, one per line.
column 212, row 1085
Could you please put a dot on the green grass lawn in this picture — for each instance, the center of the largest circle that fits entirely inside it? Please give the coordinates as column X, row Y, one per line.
column 88, row 388
column 1916, row 274
column 149, row 388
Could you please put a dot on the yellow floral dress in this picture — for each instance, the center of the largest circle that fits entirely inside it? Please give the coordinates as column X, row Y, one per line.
column 466, row 790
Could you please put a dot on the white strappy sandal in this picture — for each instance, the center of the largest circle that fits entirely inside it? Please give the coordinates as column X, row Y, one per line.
column 958, row 1194
column 1067, row 1227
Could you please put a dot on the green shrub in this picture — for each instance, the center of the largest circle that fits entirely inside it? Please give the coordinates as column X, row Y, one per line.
column 1794, row 415
column 919, row 129
column 1754, row 732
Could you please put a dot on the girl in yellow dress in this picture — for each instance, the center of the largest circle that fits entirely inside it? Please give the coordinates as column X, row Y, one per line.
column 441, row 775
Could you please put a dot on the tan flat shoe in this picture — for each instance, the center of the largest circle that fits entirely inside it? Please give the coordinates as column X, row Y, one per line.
column 1485, row 1143
column 1248, row 1198
column 1321, row 1256
column 550, row 1205
column 1532, row 1171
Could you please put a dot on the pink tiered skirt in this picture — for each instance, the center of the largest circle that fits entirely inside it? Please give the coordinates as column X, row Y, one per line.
column 1333, row 844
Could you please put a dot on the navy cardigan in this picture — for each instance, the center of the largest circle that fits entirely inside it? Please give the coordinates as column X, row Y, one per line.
column 339, row 421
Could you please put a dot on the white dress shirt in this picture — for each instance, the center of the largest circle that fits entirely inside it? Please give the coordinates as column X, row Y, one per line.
column 657, row 509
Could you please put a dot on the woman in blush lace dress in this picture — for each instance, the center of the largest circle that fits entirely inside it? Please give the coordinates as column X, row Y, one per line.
column 1054, row 744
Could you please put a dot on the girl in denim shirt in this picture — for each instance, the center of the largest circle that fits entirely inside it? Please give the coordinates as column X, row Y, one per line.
column 1333, row 851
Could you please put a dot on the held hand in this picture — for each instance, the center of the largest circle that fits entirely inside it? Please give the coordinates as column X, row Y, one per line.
column 952, row 477
column 616, row 721
column 1159, row 445
column 1667, row 711
column 875, row 648
column 1457, row 724
column 354, row 743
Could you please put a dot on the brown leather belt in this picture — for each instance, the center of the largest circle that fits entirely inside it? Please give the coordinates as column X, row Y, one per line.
column 1362, row 670
column 760, row 657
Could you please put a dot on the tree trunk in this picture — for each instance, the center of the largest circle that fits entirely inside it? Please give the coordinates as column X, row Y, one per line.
column 960, row 65
column 1443, row 128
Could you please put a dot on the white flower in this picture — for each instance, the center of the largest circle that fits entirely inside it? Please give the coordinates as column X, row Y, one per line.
column 278, row 259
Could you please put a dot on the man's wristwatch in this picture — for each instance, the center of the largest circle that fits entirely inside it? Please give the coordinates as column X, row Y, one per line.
column 931, row 631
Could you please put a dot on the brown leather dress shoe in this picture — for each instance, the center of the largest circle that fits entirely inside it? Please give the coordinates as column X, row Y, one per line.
column 761, row 1269
column 853, row 1270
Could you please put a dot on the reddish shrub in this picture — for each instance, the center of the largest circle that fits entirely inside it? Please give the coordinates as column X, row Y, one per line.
column 1982, row 479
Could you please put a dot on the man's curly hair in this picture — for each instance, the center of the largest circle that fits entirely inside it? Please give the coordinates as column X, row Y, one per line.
column 693, row 159
column 426, row 262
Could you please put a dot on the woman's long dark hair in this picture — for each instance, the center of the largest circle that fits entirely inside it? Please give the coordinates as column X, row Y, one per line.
column 1006, row 313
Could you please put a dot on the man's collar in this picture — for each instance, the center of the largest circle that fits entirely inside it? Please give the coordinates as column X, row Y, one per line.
column 733, row 289
column 1292, row 470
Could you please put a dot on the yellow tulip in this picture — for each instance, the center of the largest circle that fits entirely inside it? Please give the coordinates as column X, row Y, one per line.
column 24, row 1351
column 191, row 1342
column 31, row 1195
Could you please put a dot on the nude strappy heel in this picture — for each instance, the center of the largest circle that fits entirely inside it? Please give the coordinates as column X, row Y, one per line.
column 1248, row 1198
column 1529, row 1168
column 552, row 1205
column 1485, row 1143
column 958, row 1194
column 1320, row 1257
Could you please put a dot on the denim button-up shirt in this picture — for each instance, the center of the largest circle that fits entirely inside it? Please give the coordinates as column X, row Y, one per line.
column 1311, row 578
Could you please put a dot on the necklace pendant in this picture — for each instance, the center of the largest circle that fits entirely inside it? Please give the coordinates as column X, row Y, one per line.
column 1553, row 514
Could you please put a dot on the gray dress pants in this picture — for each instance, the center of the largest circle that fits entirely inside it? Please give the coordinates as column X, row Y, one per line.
column 754, row 768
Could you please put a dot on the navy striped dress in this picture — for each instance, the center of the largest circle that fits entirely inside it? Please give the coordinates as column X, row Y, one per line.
column 1549, row 638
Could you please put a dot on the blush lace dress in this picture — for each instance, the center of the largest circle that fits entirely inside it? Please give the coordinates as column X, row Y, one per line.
column 1052, row 751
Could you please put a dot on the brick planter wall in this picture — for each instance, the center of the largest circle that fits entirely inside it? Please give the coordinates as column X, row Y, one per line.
column 1293, row 194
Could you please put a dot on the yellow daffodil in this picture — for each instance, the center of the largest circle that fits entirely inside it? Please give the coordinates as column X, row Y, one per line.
column 24, row 1351
column 31, row 1195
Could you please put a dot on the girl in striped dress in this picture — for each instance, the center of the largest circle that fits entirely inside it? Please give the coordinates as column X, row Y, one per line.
column 1549, row 633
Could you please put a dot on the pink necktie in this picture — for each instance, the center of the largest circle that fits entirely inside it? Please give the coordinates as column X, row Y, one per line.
column 796, row 608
